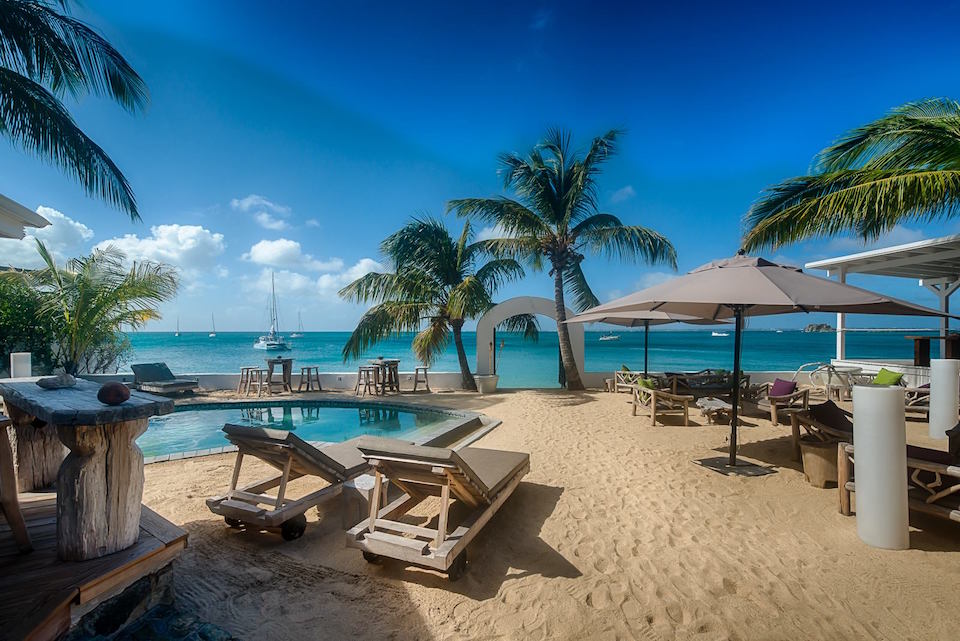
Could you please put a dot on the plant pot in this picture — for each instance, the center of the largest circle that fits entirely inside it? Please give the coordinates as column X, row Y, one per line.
column 819, row 461
column 487, row 384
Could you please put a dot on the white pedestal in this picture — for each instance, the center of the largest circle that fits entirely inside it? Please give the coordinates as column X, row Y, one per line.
column 20, row 365
column 880, row 439
column 944, row 395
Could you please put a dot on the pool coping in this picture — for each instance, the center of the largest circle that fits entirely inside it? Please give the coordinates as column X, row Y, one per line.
column 461, row 429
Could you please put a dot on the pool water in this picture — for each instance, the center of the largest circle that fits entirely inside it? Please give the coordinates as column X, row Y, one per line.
column 198, row 428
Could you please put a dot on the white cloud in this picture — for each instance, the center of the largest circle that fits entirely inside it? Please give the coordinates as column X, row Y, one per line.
column 899, row 235
column 64, row 237
column 493, row 231
column 267, row 221
column 312, row 222
column 324, row 287
column 623, row 194
column 286, row 253
column 190, row 248
column 255, row 202
column 654, row 278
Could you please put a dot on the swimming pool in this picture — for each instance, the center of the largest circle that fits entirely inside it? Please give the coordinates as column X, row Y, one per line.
column 197, row 426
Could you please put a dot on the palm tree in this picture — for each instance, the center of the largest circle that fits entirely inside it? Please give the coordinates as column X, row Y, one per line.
column 902, row 167
column 92, row 298
column 555, row 217
column 44, row 55
column 437, row 281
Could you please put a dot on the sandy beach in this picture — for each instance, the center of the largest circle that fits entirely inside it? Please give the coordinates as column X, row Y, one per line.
column 616, row 533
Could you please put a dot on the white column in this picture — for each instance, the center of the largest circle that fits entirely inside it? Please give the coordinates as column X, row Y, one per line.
column 944, row 289
column 880, row 439
column 944, row 399
column 842, row 324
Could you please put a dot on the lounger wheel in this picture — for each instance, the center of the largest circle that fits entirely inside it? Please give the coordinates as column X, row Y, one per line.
column 458, row 567
column 293, row 529
column 234, row 523
column 370, row 557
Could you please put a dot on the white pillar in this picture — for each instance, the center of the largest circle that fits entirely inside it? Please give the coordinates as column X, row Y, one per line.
column 20, row 365
column 944, row 290
column 944, row 399
column 880, row 439
column 842, row 325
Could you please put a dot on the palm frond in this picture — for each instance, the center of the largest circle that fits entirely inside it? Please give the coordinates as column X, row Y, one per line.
column 496, row 273
column 525, row 324
column 626, row 242
column 381, row 321
column 432, row 341
column 468, row 299
column 379, row 287
column 33, row 118
column 865, row 202
column 576, row 283
column 514, row 218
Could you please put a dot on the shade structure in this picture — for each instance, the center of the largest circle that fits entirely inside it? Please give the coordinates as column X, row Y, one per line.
column 750, row 286
column 14, row 217
column 643, row 319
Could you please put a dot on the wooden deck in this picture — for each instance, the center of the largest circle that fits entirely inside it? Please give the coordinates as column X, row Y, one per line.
column 38, row 591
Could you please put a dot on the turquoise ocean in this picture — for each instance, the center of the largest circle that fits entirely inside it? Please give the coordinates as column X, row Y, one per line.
column 526, row 364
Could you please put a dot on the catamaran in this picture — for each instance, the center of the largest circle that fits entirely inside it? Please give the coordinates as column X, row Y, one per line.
column 272, row 340
column 299, row 332
column 213, row 330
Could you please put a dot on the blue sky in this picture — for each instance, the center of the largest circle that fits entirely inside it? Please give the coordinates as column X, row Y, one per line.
column 294, row 137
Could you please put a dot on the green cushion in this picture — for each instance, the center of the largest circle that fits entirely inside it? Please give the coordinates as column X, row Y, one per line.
column 886, row 377
column 649, row 383
column 624, row 368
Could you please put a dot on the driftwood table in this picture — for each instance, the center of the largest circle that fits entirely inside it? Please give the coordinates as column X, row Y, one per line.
column 100, row 482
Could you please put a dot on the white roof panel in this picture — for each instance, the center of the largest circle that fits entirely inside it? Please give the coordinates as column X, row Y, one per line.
column 937, row 258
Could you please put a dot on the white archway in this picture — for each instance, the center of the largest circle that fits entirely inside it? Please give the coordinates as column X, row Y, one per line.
column 522, row 305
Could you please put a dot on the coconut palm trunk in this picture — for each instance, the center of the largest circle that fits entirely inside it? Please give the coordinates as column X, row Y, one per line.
column 466, row 375
column 563, row 334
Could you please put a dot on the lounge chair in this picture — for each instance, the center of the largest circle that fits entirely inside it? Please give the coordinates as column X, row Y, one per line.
column 933, row 478
column 157, row 378
column 706, row 382
column 780, row 395
column 661, row 401
column 825, row 422
column 294, row 457
column 481, row 479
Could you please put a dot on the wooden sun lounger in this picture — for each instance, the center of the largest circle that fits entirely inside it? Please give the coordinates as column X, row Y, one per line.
column 294, row 457
column 157, row 378
column 481, row 479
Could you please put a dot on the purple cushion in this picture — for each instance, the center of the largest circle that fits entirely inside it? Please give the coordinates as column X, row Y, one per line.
column 781, row 387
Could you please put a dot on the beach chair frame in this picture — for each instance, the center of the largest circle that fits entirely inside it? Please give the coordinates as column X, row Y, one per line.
column 383, row 535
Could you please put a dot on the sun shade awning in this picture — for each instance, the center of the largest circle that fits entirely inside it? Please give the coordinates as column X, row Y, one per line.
column 14, row 217
column 933, row 259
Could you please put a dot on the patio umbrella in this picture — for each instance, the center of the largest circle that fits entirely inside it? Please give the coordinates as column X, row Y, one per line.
column 644, row 319
column 750, row 286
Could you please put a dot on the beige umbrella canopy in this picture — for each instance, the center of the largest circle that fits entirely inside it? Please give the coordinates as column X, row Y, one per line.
column 750, row 286
column 641, row 319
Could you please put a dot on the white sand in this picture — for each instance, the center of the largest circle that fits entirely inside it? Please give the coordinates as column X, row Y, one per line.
column 615, row 534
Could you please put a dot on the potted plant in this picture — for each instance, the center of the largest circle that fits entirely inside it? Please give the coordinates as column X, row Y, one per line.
column 487, row 384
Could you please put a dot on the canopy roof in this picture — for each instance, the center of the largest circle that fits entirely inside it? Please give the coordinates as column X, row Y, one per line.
column 640, row 318
column 761, row 287
column 937, row 258
column 14, row 217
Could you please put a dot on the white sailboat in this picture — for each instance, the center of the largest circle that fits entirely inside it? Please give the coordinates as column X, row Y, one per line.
column 177, row 333
column 609, row 336
column 272, row 340
column 213, row 325
column 299, row 332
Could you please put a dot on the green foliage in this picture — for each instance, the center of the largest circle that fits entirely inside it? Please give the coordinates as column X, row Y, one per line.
column 23, row 328
column 91, row 300
column 45, row 54
column 902, row 167
column 437, row 284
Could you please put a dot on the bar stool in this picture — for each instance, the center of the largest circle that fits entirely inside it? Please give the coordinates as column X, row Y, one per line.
column 309, row 376
column 392, row 377
column 243, row 385
column 261, row 378
column 369, row 378
column 416, row 377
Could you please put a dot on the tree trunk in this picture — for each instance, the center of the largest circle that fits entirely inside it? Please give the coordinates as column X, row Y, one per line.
column 566, row 350
column 465, row 373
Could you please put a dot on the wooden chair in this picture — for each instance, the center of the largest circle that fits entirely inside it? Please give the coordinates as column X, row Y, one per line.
column 368, row 378
column 157, row 378
column 421, row 369
column 481, row 479
column 294, row 458
column 9, row 501
column 661, row 401
column 800, row 399
column 246, row 374
column 825, row 422
column 624, row 380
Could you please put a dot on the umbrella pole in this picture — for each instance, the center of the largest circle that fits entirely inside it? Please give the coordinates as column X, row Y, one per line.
column 738, row 314
column 646, row 339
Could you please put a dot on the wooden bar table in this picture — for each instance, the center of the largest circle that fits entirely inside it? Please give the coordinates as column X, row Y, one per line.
column 100, row 482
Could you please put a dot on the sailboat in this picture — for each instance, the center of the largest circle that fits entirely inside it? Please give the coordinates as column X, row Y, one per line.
column 213, row 325
column 299, row 332
column 177, row 333
column 272, row 340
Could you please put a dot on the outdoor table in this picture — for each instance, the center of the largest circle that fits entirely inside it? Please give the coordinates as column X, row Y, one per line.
column 100, row 482
column 286, row 373
column 389, row 373
column 713, row 408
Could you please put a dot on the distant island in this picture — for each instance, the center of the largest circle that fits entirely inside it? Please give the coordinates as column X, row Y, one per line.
column 818, row 327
